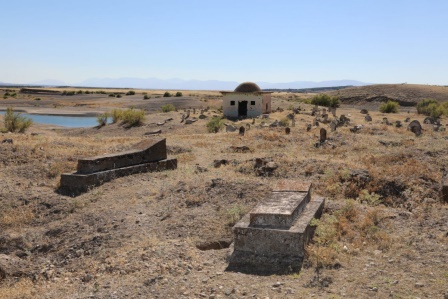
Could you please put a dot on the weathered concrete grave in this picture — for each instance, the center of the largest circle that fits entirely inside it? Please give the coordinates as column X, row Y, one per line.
column 271, row 238
column 147, row 156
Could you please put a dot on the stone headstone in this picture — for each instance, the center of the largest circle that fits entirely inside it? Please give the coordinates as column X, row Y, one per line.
column 429, row 120
column 386, row 121
column 344, row 120
column 445, row 188
column 194, row 110
column 247, row 126
column 287, row 130
column 253, row 121
column 308, row 127
column 333, row 111
column 293, row 122
column 333, row 126
column 415, row 127
column 323, row 135
column 368, row 118
column 324, row 111
column 398, row 124
column 408, row 119
column 242, row 130
column 315, row 122
column 230, row 128
column 364, row 111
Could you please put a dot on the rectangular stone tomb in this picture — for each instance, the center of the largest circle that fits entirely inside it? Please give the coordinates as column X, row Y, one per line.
column 271, row 238
column 147, row 156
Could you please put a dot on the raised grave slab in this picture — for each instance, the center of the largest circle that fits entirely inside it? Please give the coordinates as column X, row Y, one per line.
column 271, row 238
column 150, row 150
column 445, row 188
column 147, row 156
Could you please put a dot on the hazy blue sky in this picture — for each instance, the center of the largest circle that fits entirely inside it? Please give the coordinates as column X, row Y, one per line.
column 380, row 41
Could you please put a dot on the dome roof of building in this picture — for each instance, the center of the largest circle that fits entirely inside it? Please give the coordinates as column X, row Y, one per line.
column 248, row 87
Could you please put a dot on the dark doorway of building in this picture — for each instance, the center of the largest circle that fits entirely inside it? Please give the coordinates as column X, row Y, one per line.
column 242, row 108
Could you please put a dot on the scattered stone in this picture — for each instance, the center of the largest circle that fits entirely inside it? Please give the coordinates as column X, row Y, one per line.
column 274, row 124
column 8, row 140
column 408, row 119
column 344, row 120
column 240, row 149
column 368, row 118
column 161, row 124
column 386, row 121
column 415, row 127
column 12, row 266
column 200, row 169
column 242, row 131
column 308, row 127
column 398, row 124
column 429, row 120
column 202, row 116
column 153, row 132
column 364, row 111
column 190, row 121
column 287, row 130
column 355, row 128
column 390, row 143
column 230, row 128
column 315, row 122
column 218, row 163
column 334, row 125
column 333, row 111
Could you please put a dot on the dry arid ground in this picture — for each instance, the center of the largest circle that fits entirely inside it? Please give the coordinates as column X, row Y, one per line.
column 384, row 232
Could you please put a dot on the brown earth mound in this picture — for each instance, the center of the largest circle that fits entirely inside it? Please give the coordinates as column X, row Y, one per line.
column 404, row 94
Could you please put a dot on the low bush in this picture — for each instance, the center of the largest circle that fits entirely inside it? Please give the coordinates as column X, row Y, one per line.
column 116, row 115
column 37, row 99
column 14, row 121
column 215, row 124
column 146, row 97
column 101, row 119
column 133, row 117
column 432, row 107
column 178, row 94
column 130, row 93
column 119, row 96
column 112, row 95
column 325, row 100
column 389, row 107
column 168, row 108
column 167, row 94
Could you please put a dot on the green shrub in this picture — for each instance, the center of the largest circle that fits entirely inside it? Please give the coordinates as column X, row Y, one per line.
column 146, row 97
column 79, row 92
column 116, row 115
column 166, row 94
column 325, row 100
column 215, row 124
column 168, row 108
column 118, row 95
column 432, row 107
column 133, row 117
column 37, row 99
column 178, row 94
column 112, row 95
column 389, row 107
column 87, row 92
column 101, row 119
column 130, row 93
column 14, row 121
column 284, row 122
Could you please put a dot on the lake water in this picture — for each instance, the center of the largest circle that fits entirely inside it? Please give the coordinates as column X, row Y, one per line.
column 60, row 120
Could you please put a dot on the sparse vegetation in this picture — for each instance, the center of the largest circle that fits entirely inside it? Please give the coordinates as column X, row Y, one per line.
column 215, row 124
column 116, row 114
column 432, row 107
column 15, row 122
column 168, row 108
column 133, row 117
column 389, row 107
column 101, row 119
column 325, row 100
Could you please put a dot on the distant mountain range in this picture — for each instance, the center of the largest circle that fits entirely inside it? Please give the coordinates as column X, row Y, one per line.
column 179, row 84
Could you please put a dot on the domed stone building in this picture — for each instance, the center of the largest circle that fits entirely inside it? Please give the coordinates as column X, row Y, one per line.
column 246, row 101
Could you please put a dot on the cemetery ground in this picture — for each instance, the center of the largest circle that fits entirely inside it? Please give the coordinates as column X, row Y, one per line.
column 168, row 234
